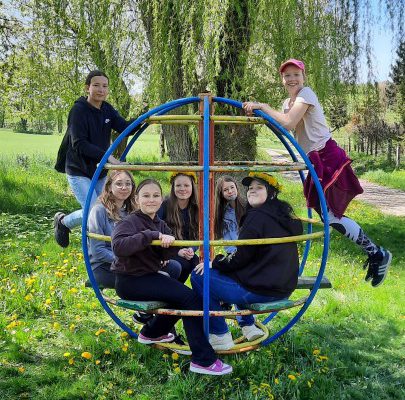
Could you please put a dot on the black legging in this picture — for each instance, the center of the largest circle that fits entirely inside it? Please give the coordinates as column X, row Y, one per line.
column 187, row 266
column 159, row 287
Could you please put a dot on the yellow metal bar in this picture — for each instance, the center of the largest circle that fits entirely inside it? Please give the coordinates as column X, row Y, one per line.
column 245, row 242
column 142, row 167
column 214, row 168
column 236, row 119
column 175, row 117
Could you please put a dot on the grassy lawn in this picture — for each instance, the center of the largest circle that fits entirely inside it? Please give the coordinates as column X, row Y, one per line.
column 56, row 341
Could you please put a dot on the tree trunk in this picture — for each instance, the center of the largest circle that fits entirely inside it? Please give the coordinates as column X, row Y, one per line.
column 398, row 157
column 389, row 150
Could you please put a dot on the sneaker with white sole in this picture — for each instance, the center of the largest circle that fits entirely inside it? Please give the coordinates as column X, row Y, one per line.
column 221, row 342
column 161, row 339
column 381, row 266
column 252, row 332
column 217, row 368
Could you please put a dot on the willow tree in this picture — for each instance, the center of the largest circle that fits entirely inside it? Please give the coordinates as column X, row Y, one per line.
column 233, row 48
column 89, row 35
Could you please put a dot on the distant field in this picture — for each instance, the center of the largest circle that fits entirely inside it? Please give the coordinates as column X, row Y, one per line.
column 12, row 144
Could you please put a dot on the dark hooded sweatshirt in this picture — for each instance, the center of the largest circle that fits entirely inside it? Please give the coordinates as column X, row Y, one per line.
column 131, row 244
column 88, row 137
column 270, row 270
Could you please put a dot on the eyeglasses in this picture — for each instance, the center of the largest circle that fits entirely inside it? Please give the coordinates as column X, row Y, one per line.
column 121, row 185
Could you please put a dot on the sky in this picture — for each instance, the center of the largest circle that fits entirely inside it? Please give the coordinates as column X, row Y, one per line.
column 383, row 48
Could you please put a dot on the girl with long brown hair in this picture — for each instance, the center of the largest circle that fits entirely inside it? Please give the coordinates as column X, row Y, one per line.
column 180, row 212
column 228, row 210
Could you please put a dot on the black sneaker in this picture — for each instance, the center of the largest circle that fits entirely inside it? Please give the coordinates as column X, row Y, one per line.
column 141, row 318
column 61, row 232
column 378, row 265
column 381, row 267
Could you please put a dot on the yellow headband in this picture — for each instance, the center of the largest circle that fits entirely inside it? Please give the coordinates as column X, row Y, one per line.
column 175, row 174
column 270, row 179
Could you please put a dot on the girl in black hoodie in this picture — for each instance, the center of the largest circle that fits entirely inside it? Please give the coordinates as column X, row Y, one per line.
column 254, row 274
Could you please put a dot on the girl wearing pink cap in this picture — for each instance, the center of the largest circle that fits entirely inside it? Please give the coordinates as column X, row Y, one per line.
column 303, row 114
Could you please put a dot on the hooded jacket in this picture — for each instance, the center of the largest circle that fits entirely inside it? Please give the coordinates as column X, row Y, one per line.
column 87, row 138
column 270, row 270
column 131, row 244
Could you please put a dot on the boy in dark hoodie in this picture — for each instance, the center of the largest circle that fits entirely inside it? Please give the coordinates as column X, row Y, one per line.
column 87, row 138
column 254, row 274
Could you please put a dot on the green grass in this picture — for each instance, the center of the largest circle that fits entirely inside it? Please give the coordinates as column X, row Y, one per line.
column 46, row 313
column 394, row 179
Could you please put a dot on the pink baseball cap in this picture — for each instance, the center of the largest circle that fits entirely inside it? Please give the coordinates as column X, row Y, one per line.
column 292, row 61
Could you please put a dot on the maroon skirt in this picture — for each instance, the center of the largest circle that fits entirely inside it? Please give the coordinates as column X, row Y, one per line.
column 339, row 183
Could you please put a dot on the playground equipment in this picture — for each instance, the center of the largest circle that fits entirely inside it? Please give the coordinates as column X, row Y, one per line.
column 206, row 169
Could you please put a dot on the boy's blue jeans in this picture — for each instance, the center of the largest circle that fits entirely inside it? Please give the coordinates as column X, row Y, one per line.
column 225, row 289
column 80, row 186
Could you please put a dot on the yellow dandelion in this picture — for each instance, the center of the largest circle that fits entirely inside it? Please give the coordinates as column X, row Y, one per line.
column 12, row 291
column 124, row 335
column 48, row 301
column 125, row 347
column 175, row 356
column 86, row 355
column 28, row 297
column 21, row 369
column 323, row 358
column 72, row 327
column 71, row 361
column 67, row 354
column 177, row 370
column 276, row 381
column 56, row 325
column 292, row 377
column 52, row 288
column 130, row 391
column 43, row 254
column 165, row 356
column 100, row 331
column 107, row 351
column 309, row 383
column 65, row 261
column 98, row 362
column 316, row 352
column 79, row 305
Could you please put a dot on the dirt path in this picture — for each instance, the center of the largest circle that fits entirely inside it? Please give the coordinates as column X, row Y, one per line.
column 387, row 200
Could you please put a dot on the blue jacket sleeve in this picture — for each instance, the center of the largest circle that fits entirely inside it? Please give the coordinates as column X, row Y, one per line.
column 98, row 223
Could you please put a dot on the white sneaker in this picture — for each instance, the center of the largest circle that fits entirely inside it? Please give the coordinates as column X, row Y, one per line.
column 252, row 332
column 221, row 342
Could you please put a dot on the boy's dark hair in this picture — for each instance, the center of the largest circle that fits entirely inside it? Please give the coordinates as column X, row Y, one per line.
column 92, row 74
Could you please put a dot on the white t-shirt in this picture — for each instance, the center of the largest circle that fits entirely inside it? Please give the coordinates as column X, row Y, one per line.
column 311, row 132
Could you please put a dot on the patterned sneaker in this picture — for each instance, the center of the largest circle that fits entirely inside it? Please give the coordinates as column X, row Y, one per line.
column 221, row 342
column 381, row 265
column 218, row 368
column 161, row 339
column 252, row 332
column 61, row 232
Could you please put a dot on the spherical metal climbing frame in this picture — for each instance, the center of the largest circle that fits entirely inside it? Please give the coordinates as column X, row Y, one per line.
column 283, row 135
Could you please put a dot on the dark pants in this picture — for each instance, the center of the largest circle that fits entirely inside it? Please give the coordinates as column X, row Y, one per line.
column 187, row 266
column 104, row 277
column 162, row 288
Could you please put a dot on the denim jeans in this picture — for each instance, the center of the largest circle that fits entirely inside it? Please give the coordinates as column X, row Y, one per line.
column 225, row 289
column 80, row 186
